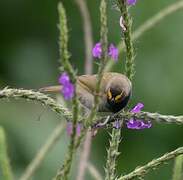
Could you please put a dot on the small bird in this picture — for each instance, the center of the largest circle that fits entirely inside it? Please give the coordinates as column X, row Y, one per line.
column 115, row 91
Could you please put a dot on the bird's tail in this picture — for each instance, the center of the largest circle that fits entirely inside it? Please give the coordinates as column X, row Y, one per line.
column 51, row 89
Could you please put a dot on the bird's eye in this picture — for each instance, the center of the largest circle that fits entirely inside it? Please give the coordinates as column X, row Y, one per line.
column 109, row 94
column 119, row 97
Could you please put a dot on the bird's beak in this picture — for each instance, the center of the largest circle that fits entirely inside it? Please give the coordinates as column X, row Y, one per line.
column 112, row 101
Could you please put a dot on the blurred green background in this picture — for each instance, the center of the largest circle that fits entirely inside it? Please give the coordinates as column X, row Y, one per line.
column 29, row 59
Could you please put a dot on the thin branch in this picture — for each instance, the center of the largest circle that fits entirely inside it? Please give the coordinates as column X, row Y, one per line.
column 130, row 56
column 141, row 171
column 36, row 97
column 84, row 156
column 147, row 116
column 43, row 151
column 94, row 172
column 112, row 154
column 149, row 24
column 63, row 172
column 104, row 43
column 4, row 159
column 87, row 34
column 87, row 27
column 62, row 111
column 178, row 168
column 158, row 118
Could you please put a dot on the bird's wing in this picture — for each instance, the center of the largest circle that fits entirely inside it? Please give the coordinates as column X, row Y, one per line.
column 88, row 82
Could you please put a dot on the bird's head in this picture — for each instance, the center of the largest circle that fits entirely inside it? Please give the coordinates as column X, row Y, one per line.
column 118, row 93
column 115, row 96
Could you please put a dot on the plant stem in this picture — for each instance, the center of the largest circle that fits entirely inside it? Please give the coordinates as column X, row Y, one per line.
column 129, row 65
column 112, row 154
column 62, row 111
column 104, row 43
column 4, row 160
column 178, row 168
column 94, row 171
column 147, row 116
column 141, row 171
column 87, row 27
column 63, row 172
column 36, row 97
column 43, row 151
column 148, row 25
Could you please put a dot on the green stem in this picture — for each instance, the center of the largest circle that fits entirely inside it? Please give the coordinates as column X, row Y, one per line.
column 36, row 97
column 4, row 160
column 63, row 43
column 130, row 65
column 178, row 168
column 112, row 154
column 139, row 172
column 43, row 151
column 104, row 43
column 148, row 25
column 63, row 172
column 62, row 111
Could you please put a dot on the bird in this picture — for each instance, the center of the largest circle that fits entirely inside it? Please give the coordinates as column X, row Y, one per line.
column 115, row 91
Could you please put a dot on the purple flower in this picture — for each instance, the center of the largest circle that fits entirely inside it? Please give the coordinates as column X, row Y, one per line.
column 131, row 2
column 69, row 128
column 138, row 124
column 64, row 78
column 135, row 123
column 137, row 108
column 68, row 91
column 97, row 50
column 113, row 52
column 67, row 87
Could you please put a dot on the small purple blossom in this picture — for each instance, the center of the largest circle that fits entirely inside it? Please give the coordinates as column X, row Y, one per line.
column 137, row 108
column 138, row 124
column 64, row 79
column 97, row 50
column 135, row 123
column 113, row 52
column 67, row 87
column 131, row 2
column 69, row 128
column 68, row 91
